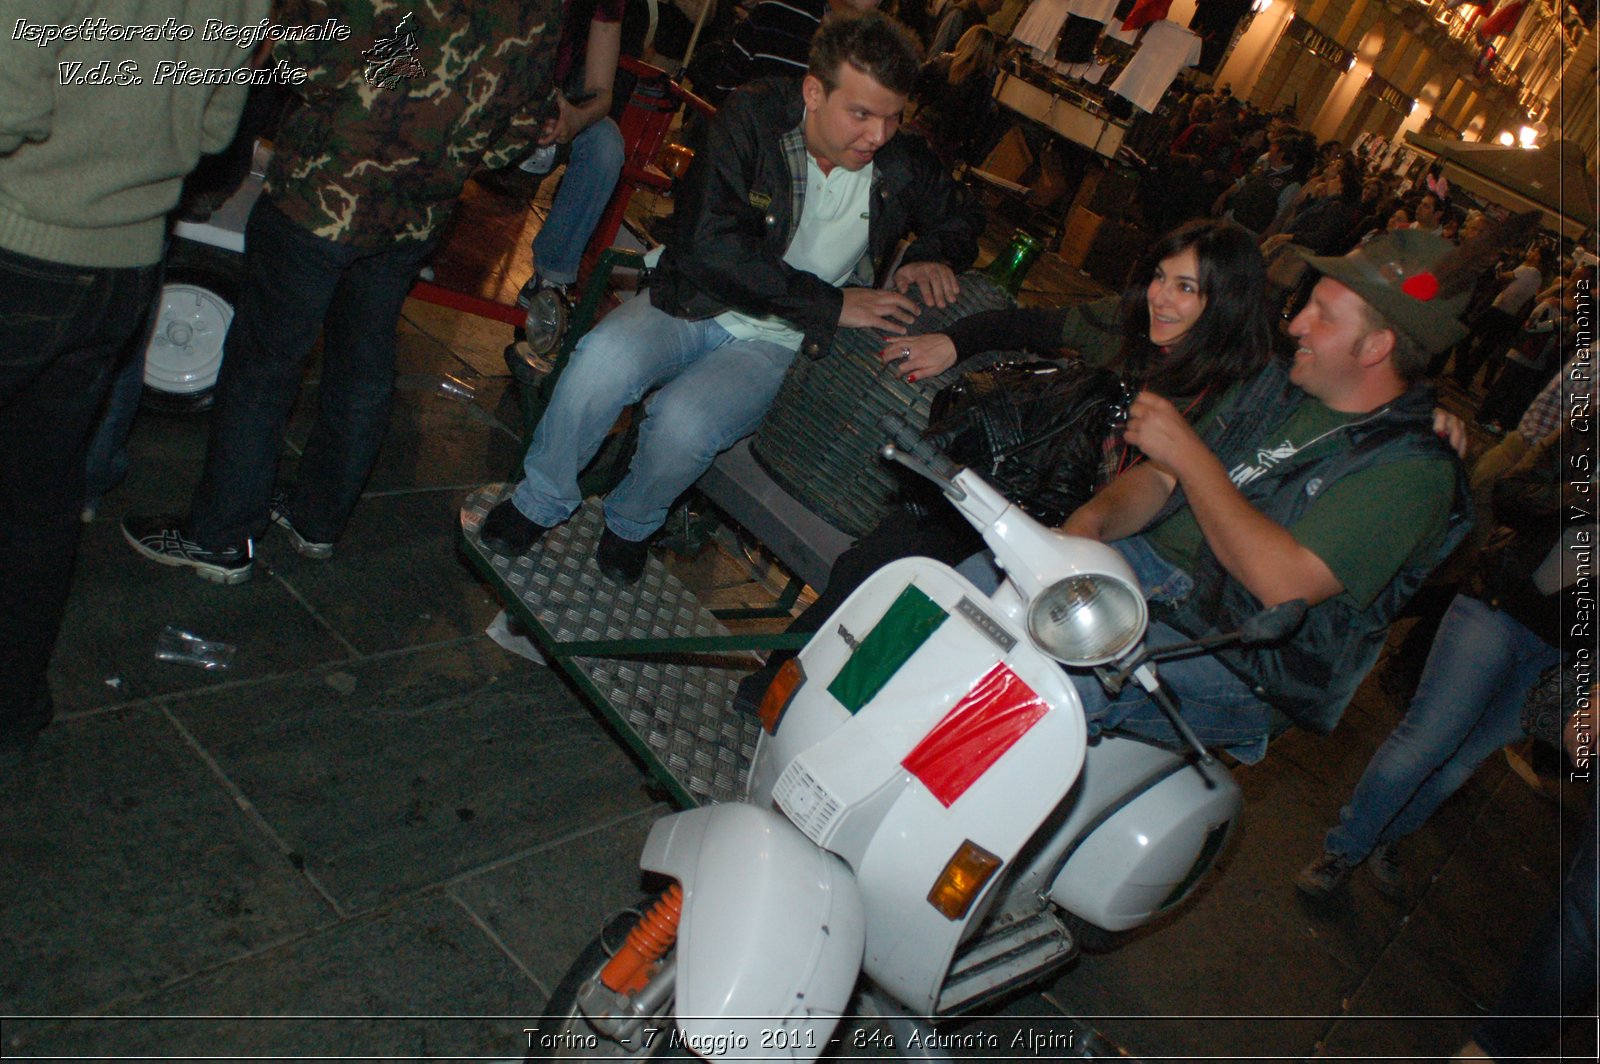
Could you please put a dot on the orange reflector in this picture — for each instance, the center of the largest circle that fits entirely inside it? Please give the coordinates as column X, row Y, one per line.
column 962, row 880
column 791, row 675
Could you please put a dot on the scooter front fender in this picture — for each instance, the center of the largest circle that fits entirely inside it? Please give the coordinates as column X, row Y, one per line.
column 771, row 936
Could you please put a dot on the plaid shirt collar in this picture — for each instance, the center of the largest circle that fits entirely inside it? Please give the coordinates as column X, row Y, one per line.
column 793, row 144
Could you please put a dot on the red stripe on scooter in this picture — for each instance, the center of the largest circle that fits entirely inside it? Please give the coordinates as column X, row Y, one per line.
column 992, row 716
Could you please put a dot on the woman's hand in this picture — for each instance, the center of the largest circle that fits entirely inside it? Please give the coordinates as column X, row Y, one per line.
column 919, row 357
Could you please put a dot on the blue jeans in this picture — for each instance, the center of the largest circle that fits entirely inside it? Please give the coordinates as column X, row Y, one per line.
column 592, row 170
column 62, row 329
column 1468, row 705
column 295, row 285
column 713, row 391
column 1218, row 706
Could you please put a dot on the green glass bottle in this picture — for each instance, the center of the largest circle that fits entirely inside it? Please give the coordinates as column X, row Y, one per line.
column 1012, row 265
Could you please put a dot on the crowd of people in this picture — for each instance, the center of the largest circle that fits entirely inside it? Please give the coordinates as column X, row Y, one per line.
column 1242, row 478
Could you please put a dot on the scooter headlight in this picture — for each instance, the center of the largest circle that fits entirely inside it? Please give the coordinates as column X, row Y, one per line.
column 1088, row 619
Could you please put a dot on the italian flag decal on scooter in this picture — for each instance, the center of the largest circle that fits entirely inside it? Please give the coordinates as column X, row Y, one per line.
column 980, row 728
column 907, row 624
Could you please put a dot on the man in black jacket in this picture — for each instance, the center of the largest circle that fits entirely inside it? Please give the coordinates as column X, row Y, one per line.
column 1322, row 481
column 787, row 219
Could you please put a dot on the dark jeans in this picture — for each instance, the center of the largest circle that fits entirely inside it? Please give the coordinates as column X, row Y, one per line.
column 1492, row 332
column 295, row 285
column 108, row 448
column 61, row 331
column 1556, row 976
column 943, row 535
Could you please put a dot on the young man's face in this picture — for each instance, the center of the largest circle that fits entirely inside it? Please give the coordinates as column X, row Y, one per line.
column 847, row 126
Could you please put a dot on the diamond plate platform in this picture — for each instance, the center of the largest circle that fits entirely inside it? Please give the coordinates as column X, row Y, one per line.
column 677, row 714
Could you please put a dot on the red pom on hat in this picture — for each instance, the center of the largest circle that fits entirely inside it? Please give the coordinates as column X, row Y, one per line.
column 1423, row 286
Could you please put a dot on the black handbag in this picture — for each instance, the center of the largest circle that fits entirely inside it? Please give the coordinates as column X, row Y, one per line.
column 1037, row 431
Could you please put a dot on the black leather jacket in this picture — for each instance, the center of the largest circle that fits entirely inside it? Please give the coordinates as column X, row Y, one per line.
column 734, row 220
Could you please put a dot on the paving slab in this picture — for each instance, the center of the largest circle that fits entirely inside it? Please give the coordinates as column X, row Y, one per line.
column 128, row 864
column 120, row 602
column 396, row 772
column 418, row 981
column 546, row 906
column 395, row 580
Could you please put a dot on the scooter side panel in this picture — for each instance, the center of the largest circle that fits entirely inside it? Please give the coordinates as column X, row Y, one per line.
column 771, row 935
column 1130, row 864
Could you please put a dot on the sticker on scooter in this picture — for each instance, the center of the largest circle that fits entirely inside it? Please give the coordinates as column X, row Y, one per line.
column 902, row 630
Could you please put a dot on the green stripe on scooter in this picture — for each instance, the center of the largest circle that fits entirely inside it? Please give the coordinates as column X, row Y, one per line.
column 910, row 620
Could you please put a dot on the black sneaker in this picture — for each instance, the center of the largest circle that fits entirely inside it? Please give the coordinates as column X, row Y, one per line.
column 620, row 559
column 1325, row 875
column 278, row 513
column 506, row 531
column 160, row 537
column 1387, row 876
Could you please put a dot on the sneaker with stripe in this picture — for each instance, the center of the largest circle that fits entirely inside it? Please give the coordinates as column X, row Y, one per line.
column 161, row 538
column 278, row 512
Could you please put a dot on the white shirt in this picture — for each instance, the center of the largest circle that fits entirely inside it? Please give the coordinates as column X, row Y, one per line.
column 1166, row 49
column 1514, row 297
column 828, row 242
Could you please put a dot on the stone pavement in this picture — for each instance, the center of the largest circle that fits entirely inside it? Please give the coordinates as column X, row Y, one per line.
column 378, row 835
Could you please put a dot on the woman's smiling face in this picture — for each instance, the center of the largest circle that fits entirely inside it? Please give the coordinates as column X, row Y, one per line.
column 1174, row 298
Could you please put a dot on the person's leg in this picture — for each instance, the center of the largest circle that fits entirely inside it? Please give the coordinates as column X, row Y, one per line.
column 633, row 349
column 1462, row 675
column 107, row 462
column 358, row 355
column 1217, row 706
column 704, row 410
column 1510, row 395
column 592, row 171
column 290, row 278
column 61, row 328
column 1522, row 657
column 1491, row 332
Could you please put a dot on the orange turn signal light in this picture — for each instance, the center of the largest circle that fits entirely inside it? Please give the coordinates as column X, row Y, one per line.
column 962, row 880
column 791, row 677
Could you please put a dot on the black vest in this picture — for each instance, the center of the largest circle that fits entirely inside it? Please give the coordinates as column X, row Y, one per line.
column 1312, row 676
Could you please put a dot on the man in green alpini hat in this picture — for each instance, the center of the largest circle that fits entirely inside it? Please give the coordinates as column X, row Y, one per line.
column 1319, row 479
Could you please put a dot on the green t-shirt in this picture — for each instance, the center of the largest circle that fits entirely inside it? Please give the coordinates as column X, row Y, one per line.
column 1364, row 527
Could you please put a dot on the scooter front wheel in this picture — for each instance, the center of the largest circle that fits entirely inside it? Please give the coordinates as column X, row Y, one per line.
column 564, row 1032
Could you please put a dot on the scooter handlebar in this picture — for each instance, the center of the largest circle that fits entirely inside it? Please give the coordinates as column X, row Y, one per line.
column 911, row 444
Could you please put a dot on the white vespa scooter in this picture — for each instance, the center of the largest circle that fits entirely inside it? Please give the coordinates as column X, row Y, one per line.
column 926, row 827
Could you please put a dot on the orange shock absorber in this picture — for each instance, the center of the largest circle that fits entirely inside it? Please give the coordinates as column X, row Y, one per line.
column 653, row 935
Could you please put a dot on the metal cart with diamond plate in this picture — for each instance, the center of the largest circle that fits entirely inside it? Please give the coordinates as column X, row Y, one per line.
column 650, row 657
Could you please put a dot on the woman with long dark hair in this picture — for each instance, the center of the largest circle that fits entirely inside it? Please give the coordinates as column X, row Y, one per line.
column 1192, row 318
column 1192, row 322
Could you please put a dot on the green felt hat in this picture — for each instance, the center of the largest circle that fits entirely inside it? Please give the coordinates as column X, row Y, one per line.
column 1398, row 274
